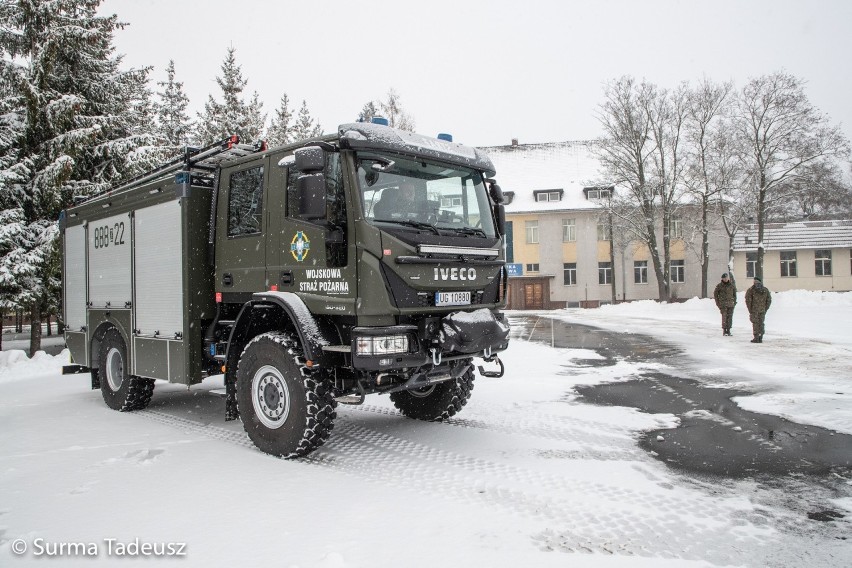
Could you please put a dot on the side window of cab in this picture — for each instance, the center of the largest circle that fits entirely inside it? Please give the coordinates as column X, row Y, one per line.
column 245, row 202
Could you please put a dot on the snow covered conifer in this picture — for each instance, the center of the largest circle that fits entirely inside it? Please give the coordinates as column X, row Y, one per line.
column 368, row 112
column 172, row 121
column 280, row 131
column 233, row 115
column 305, row 127
column 392, row 109
column 73, row 124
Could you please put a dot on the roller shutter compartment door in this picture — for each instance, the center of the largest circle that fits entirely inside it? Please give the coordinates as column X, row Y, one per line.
column 159, row 270
column 109, row 262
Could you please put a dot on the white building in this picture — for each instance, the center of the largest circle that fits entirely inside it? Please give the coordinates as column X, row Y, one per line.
column 558, row 248
column 806, row 255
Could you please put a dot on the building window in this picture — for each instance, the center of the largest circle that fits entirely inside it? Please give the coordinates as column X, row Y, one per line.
column 569, row 230
column 604, row 273
column 822, row 259
column 532, row 232
column 245, row 202
column 508, row 197
column 603, row 232
column 532, row 267
column 598, row 192
column 751, row 264
column 452, row 201
column 569, row 273
column 678, row 272
column 676, row 229
column 548, row 195
column 640, row 271
column 788, row 263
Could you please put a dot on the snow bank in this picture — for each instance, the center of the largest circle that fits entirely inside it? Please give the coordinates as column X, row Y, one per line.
column 804, row 314
column 15, row 365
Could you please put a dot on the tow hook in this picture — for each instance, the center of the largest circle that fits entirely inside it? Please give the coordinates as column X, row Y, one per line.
column 492, row 374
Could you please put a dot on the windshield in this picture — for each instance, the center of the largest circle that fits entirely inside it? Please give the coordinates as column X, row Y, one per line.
column 418, row 193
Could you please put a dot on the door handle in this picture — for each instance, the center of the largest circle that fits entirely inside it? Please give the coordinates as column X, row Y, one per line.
column 286, row 277
column 227, row 279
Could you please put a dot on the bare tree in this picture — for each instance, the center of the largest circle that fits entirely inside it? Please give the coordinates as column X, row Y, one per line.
column 784, row 138
column 708, row 162
column 641, row 153
column 823, row 192
column 391, row 107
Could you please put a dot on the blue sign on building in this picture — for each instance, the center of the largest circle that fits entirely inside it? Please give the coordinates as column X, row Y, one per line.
column 515, row 269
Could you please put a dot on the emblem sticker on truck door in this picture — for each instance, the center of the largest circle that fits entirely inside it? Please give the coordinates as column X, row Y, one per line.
column 299, row 246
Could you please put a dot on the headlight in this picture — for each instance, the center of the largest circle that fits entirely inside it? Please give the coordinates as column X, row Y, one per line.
column 381, row 345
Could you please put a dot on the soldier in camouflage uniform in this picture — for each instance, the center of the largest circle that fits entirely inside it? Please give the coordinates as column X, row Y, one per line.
column 758, row 299
column 725, row 295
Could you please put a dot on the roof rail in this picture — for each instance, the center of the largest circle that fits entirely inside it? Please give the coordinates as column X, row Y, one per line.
column 205, row 159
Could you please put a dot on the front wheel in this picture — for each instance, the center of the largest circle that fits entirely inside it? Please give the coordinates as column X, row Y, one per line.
column 437, row 401
column 121, row 391
column 286, row 410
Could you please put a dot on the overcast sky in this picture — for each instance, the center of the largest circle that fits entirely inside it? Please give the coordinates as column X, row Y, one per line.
column 487, row 71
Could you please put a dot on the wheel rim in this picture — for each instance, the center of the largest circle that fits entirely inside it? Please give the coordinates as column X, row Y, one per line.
column 114, row 368
column 423, row 392
column 270, row 397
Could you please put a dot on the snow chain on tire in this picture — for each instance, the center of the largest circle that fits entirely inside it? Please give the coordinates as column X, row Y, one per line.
column 139, row 394
column 321, row 406
column 445, row 401
column 134, row 393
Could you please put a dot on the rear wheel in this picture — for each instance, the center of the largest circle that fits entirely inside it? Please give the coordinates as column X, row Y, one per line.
column 121, row 391
column 437, row 401
column 286, row 409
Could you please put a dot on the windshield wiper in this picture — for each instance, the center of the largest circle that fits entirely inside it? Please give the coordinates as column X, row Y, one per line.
column 410, row 223
column 467, row 231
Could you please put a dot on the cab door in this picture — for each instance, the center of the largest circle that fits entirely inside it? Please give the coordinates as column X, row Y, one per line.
column 310, row 257
column 241, row 230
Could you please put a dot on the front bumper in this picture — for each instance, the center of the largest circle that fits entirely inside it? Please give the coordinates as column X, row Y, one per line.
column 458, row 335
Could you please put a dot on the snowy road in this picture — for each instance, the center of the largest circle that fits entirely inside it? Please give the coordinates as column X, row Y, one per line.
column 526, row 475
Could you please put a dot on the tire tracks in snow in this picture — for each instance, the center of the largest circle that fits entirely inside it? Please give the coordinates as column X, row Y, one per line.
column 589, row 436
column 576, row 515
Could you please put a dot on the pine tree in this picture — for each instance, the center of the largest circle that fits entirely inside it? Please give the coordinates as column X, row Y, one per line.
column 73, row 124
column 233, row 115
column 173, row 123
column 280, row 130
column 305, row 127
column 391, row 109
column 368, row 112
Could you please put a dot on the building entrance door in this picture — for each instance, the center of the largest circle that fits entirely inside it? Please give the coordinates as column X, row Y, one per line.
column 534, row 296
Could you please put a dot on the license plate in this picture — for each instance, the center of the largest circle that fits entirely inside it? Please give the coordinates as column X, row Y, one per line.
column 452, row 298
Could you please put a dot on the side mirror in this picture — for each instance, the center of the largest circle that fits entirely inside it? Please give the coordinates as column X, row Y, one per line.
column 311, row 188
column 496, row 192
column 500, row 214
column 309, row 159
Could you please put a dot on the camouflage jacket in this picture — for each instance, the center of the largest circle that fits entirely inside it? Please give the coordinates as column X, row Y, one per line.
column 725, row 295
column 758, row 299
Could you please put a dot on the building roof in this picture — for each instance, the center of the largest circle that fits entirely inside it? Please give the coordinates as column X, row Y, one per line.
column 798, row 235
column 525, row 168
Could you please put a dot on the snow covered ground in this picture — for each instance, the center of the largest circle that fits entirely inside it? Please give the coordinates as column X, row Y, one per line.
column 526, row 475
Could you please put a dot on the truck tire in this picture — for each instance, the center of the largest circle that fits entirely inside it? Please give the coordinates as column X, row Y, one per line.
column 121, row 391
column 438, row 401
column 286, row 409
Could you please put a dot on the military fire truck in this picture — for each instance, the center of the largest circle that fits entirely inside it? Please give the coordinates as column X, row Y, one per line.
column 366, row 261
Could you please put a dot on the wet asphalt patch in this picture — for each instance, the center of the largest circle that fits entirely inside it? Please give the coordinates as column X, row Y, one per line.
column 715, row 435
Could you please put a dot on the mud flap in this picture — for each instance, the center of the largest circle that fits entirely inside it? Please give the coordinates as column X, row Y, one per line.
column 232, row 411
